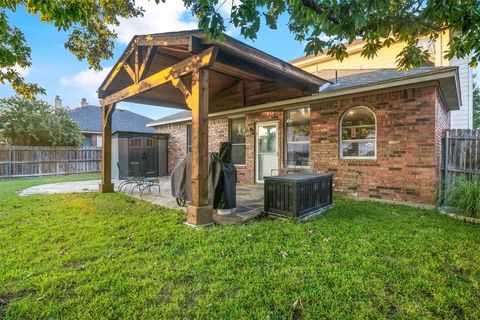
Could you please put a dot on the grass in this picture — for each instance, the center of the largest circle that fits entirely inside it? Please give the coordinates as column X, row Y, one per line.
column 109, row 256
column 464, row 194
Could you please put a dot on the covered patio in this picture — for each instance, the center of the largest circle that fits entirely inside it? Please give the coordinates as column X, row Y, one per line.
column 186, row 70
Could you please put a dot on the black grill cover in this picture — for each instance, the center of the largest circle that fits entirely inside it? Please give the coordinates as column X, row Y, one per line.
column 222, row 178
column 225, row 152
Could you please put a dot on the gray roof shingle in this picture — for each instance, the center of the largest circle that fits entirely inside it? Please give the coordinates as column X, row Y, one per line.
column 177, row 116
column 372, row 76
column 346, row 79
column 89, row 118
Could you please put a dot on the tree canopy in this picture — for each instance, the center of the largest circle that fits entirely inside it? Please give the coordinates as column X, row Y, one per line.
column 324, row 25
column 36, row 123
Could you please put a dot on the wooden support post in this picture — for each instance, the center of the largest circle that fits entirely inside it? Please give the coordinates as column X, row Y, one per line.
column 106, row 185
column 199, row 212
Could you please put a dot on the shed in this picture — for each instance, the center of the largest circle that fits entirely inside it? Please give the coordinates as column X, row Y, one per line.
column 149, row 149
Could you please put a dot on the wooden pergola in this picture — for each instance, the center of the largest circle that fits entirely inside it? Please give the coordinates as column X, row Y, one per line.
column 186, row 70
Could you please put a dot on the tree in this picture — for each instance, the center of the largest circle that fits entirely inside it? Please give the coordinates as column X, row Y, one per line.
column 476, row 104
column 36, row 123
column 325, row 25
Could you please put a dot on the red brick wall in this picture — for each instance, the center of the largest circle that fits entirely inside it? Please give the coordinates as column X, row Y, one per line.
column 177, row 141
column 409, row 128
column 405, row 168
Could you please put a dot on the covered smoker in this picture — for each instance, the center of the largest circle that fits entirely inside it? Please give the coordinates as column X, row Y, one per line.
column 222, row 179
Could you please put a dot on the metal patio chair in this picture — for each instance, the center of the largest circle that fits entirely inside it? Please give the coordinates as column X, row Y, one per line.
column 144, row 181
column 127, row 179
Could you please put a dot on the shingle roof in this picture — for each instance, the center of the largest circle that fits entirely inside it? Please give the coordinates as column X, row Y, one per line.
column 353, row 79
column 371, row 76
column 89, row 119
column 176, row 117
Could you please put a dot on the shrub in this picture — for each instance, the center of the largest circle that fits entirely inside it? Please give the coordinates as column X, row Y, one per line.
column 464, row 193
column 36, row 123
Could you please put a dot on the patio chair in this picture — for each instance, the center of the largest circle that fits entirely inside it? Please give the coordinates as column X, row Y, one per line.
column 144, row 181
column 127, row 179
column 295, row 166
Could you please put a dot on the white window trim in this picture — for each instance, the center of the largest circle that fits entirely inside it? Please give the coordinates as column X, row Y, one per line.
column 238, row 144
column 340, row 151
column 286, row 142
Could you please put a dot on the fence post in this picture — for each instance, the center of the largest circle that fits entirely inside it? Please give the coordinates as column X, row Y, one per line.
column 445, row 169
column 66, row 160
column 10, row 164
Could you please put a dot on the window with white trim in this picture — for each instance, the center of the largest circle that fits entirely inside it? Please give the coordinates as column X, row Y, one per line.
column 358, row 134
column 297, row 137
column 237, row 138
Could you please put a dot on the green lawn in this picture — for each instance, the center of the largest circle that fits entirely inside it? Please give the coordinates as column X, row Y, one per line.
column 109, row 256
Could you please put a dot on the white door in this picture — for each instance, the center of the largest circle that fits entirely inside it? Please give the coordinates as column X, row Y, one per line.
column 266, row 150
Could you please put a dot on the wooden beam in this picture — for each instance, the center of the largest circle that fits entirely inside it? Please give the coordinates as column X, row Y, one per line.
column 118, row 67
column 178, row 83
column 130, row 72
column 199, row 212
column 165, row 40
column 106, row 185
column 138, row 56
column 146, row 62
column 204, row 59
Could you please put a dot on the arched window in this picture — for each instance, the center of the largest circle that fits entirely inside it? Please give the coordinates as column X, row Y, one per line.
column 358, row 134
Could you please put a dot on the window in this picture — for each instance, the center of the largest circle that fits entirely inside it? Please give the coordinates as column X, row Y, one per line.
column 150, row 143
column 87, row 141
column 135, row 142
column 189, row 138
column 99, row 141
column 297, row 142
column 358, row 134
column 237, row 138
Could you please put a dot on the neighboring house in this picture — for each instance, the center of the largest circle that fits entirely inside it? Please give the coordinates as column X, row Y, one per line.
column 89, row 119
column 328, row 67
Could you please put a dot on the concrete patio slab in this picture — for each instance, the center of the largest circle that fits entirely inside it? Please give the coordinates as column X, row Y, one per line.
column 249, row 197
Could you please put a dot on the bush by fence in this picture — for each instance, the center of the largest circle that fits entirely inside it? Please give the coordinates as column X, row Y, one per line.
column 43, row 161
column 460, row 157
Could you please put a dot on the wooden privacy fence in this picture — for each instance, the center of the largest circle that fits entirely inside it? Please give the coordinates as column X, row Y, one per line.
column 43, row 161
column 460, row 155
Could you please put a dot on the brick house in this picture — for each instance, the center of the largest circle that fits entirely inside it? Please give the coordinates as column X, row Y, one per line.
column 378, row 132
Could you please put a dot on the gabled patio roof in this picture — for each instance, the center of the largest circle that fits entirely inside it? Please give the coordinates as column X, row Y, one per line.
column 187, row 70
column 239, row 75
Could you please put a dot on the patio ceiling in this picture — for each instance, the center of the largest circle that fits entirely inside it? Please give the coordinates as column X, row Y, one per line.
column 239, row 75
